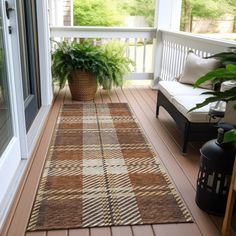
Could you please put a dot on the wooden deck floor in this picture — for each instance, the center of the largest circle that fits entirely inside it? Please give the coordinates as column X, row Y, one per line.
column 165, row 138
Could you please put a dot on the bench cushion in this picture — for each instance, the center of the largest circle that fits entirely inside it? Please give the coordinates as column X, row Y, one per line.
column 174, row 88
column 185, row 103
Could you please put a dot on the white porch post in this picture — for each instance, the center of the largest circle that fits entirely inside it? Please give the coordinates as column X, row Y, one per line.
column 44, row 52
column 56, row 12
column 167, row 17
column 168, row 13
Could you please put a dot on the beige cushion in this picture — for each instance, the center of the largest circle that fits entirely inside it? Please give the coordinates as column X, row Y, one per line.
column 185, row 103
column 174, row 88
column 196, row 67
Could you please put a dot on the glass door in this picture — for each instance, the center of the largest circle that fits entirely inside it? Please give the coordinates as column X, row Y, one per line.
column 30, row 58
column 6, row 129
column 10, row 151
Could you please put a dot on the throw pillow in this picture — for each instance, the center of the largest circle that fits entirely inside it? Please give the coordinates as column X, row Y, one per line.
column 195, row 67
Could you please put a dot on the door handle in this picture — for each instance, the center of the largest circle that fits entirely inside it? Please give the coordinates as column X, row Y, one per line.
column 8, row 9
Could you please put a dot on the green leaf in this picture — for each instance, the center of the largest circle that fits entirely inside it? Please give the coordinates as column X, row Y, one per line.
column 207, row 101
column 230, row 136
column 231, row 67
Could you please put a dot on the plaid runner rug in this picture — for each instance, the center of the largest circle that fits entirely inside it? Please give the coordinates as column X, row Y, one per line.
column 101, row 171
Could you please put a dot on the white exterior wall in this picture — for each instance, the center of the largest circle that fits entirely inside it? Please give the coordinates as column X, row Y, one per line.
column 60, row 12
column 67, row 14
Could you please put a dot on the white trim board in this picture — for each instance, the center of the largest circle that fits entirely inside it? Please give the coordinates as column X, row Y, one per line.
column 36, row 128
column 7, row 201
column 9, row 196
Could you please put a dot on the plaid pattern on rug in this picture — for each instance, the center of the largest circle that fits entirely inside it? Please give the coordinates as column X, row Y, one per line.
column 101, row 171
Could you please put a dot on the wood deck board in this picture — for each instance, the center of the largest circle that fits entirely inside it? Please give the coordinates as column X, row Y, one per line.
column 188, row 163
column 57, row 233
column 181, row 169
column 29, row 190
column 79, row 232
column 178, row 230
column 171, row 127
column 143, row 230
column 121, row 231
column 98, row 97
column 105, row 96
column 167, row 158
column 41, row 233
column 114, row 98
column 105, row 231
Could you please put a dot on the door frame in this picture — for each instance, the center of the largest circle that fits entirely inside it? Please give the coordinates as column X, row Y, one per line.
column 46, row 82
column 13, row 163
column 28, row 140
column 11, row 157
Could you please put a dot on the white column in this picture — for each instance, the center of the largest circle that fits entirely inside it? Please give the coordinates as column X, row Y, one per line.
column 168, row 14
column 56, row 12
column 167, row 17
column 44, row 53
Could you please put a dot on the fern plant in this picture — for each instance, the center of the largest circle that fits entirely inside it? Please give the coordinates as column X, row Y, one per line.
column 107, row 62
column 119, row 65
column 73, row 56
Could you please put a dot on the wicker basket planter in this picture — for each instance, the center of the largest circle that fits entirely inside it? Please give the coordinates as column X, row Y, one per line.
column 83, row 85
column 85, row 66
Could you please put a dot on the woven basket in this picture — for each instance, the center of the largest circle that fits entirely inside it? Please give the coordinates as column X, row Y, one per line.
column 83, row 85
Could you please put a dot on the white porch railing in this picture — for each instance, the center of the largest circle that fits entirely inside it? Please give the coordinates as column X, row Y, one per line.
column 139, row 40
column 157, row 54
column 172, row 49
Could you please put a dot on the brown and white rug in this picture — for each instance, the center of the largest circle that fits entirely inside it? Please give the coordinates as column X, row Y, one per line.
column 101, row 171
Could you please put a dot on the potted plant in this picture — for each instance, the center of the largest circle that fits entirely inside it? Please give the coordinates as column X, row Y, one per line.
column 79, row 64
column 118, row 63
column 226, row 73
column 85, row 65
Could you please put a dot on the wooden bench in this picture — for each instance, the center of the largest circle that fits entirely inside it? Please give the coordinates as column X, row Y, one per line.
column 177, row 99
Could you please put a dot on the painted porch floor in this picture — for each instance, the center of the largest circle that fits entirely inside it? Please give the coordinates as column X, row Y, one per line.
column 165, row 138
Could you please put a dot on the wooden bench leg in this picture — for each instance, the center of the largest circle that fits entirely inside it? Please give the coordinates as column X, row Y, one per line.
column 158, row 106
column 157, row 110
column 186, row 138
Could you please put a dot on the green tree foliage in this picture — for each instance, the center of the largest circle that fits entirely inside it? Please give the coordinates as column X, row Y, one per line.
column 200, row 8
column 231, row 6
column 232, row 10
column 96, row 13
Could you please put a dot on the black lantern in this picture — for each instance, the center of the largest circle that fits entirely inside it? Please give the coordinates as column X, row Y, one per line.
column 216, row 165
